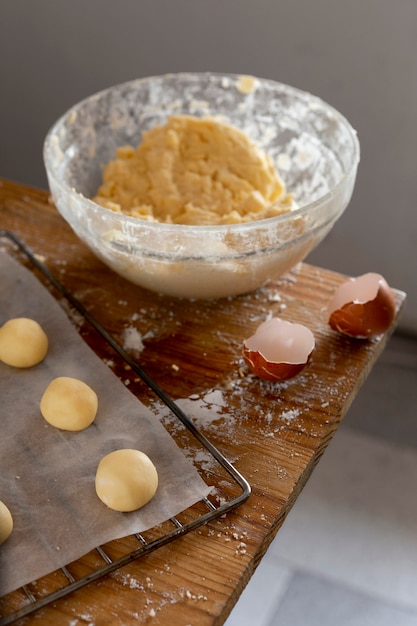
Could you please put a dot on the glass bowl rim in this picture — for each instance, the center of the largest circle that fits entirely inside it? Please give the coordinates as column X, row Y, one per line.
column 137, row 223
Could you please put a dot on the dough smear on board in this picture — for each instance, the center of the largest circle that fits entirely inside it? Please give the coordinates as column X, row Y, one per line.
column 194, row 171
column 69, row 404
column 6, row 522
column 23, row 342
column 126, row 480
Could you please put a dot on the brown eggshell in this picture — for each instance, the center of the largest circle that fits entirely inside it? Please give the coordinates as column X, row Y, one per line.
column 362, row 307
column 278, row 350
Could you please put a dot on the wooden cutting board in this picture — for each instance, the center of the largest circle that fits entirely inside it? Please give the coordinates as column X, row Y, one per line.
column 273, row 433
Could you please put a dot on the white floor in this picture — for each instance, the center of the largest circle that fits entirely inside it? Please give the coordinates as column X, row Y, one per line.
column 347, row 553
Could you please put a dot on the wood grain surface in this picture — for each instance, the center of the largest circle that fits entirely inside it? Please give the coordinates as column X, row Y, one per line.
column 273, row 433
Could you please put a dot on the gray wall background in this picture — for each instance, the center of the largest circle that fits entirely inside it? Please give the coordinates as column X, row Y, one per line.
column 359, row 55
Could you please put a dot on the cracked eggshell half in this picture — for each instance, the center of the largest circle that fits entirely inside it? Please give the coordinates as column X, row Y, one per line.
column 362, row 307
column 279, row 349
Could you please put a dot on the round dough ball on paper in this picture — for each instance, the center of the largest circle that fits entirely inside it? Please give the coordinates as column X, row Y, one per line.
column 126, row 480
column 23, row 342
column 69, row 404
column 6, row 522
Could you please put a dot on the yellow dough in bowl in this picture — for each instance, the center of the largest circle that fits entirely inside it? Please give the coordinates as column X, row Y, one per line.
column 126, row 480
column 23, row 342
column 195, row 171
column 6, row 522
column 69, row 404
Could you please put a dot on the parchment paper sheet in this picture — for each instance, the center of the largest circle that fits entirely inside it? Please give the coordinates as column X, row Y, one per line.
column 47, row 475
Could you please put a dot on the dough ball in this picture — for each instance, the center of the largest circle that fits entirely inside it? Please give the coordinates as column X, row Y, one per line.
column 126, row 480
column 69, row 404
column 6, row 522
column 23, row 342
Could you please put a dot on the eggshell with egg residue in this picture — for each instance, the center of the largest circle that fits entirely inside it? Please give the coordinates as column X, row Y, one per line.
column 362, row 307
column 278, row 350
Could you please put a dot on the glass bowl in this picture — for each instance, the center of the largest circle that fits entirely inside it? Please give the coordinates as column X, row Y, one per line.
column 313, row 146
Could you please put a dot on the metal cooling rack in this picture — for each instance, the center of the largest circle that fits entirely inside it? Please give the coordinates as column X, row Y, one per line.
column 194, row 517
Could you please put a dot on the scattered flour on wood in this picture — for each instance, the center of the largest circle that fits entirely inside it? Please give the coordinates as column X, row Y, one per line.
column 290, row 415
column 132, row 339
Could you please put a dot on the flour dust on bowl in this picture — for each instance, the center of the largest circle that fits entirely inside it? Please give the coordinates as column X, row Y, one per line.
column 312, row 146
